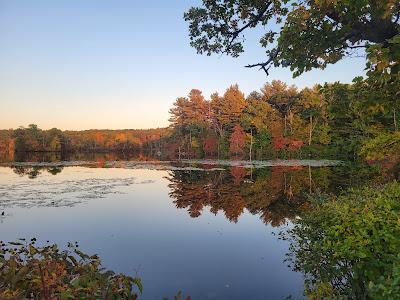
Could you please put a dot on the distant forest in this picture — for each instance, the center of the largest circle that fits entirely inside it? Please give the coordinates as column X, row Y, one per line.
column 278, row 121
column 34, row 139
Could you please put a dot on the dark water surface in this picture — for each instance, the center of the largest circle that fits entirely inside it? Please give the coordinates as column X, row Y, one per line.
column 209, row 231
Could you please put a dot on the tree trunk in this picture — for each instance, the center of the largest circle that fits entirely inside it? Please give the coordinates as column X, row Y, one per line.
column 285, row 126
column 284, row 186
column 190, row 142
column 394, row 120
column 251, row 143
column 290, row 121
column 310, row 132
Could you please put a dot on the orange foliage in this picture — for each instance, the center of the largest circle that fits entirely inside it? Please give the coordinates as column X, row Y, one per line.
column 237, row 140
column 238, row 174
column 99, row 138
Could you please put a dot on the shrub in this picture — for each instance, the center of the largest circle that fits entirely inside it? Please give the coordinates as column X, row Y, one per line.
column 383, row 146
column 31, row 272
column 348, row 246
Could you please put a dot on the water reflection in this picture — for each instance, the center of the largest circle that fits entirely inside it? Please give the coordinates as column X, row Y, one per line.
column 137, row 228
column 276, row 194
column 72, row 156
column 35, row 171
column 146, row 227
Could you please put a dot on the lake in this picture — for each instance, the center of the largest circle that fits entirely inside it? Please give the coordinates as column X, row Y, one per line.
column 208, row 228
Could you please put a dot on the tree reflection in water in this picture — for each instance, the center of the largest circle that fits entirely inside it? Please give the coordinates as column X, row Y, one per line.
column 35, row 171
column 276, row 194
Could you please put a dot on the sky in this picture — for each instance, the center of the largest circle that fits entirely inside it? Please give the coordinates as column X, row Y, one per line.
column 76, row 64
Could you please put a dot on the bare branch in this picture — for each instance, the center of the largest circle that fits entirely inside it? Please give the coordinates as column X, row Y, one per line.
column 357, row 46
column 265, row 66
column 397, row 17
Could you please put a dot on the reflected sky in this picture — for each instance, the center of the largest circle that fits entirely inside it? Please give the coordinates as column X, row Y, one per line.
column 137, row 229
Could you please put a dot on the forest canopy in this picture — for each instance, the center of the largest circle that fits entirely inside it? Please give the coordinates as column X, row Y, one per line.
column 32, row 138
column 333, row 120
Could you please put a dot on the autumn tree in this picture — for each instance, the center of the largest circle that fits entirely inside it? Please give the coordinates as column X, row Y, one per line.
column 210, row 144
column 179, row 113
column 227, row 109
column 197, row 108
column 281, row 97
column 237, row 140
column 217, row 121
column 191, row 116
column 7, row 144
column 34, row 137
column 99, row 138
column 225, row 112
column 55, row 140
column 256, row 120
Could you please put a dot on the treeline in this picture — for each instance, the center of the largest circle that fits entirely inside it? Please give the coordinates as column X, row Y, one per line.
column 346, row 120
column 34, row 139
column 335, row 120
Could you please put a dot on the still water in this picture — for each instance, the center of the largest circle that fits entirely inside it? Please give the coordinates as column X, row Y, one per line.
column 208, row 230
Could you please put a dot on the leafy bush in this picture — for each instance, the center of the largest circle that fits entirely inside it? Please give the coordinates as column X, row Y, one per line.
column 383, row 146
column 348, row 246
column 31, row 272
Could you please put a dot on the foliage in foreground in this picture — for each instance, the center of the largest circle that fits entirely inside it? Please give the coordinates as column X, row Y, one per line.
column 348, row 246
column 383, row 146
column 31, row 272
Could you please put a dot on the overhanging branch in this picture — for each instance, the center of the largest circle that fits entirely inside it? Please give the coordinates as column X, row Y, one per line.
column 265, row 66
column 257, row 18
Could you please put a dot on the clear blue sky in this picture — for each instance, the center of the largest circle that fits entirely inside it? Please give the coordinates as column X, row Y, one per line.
column 80, row 64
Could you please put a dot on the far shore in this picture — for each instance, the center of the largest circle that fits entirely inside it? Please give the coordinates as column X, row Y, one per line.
column 183, row 164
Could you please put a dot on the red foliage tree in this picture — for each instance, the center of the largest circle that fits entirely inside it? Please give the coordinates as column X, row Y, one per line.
column 237, row 140
column 282, row 143
column 294, row 145
column 278, row 142
column 210, row 145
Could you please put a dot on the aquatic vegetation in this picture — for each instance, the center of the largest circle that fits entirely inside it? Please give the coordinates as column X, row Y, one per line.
column 61, row 193
column 28, row 271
